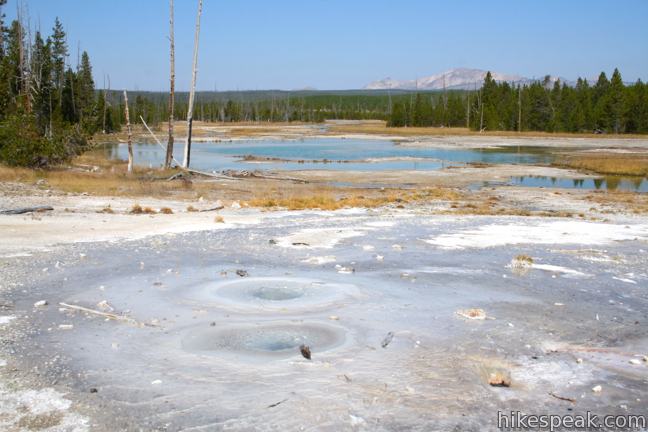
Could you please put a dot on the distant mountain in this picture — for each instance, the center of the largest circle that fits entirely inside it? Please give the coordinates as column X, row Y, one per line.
column 454, row 79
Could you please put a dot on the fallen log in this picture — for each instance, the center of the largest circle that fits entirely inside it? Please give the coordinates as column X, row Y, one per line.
column 270, row 177
column 19, row 211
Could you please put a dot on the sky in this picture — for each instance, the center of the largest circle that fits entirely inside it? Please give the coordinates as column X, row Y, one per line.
column 345, row 44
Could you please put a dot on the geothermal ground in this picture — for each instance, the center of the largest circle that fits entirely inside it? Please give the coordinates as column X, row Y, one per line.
column 373, row 293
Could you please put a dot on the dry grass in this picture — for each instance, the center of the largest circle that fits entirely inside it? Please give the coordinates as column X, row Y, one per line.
column 191, row 209
column 219, row 219
column 138, row 209
column 624, row 164
column 166, row 210
column 376, row 127
column 335, row 200
column 625, row 202
column 107, row 210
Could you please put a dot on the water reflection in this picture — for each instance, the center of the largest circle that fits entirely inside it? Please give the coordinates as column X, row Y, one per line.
column 611, row 183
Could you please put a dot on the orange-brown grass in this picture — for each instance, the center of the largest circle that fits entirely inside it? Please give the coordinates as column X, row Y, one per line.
column 219, row 219
column 335, row 200
column 632, row 202
column 623, row 164
column 166, row 210
column 380, row 128
column 191, row 209
column 107, row 210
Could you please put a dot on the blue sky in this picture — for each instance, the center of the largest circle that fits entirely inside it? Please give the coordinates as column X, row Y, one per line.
column 342, row 44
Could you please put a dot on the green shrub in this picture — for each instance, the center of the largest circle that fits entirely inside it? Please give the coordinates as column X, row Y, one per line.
column 21, row 143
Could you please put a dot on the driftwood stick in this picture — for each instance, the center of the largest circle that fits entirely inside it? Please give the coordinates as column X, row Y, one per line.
column 572, row 400
column 212, row 209
column 270, row 177
column 24, row 210
column 108, row 315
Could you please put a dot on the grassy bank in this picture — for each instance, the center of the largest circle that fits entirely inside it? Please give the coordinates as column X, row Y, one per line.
column 621, row 164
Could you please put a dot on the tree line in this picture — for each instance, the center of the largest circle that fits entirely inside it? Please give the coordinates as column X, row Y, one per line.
column 608, row 106
column 47, row 108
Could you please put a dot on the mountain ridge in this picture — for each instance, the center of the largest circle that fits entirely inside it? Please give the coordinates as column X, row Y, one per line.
column 453, row 79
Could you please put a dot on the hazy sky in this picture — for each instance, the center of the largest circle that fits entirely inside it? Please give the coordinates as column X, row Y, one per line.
column 342, row 44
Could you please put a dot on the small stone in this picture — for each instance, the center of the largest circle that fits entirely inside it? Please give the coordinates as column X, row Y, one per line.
column 236, row 205
column 334, row 318
column 156, row 382
column 387, row 339
column 380, row 257
column 579, row 360
column 93, row 390
column 597, row 389
column 305, row 351
column 635, row 361
column 473, row 314
column 242, row 273
column 41, row 303
column 499, row 379
column 65, row 326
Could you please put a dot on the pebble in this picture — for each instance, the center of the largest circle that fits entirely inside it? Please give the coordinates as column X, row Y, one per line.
column 597, row 389
column 635, row 361
column 156, row 382
column 41, row 303
column 65, row 326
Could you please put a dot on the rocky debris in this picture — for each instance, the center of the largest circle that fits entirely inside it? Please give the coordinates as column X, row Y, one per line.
column 344, row 270
column 65, row 326
column 41, row 303
column 635, row 362
column 387, row 339
column 473, row 314
column 597, row 389
column 521, row 264
column 242, row 273
column 305, row 351
column 499, row 379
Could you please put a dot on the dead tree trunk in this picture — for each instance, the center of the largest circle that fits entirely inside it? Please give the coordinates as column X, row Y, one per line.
column 169, row 150
column 187, row 149
column 130, row 134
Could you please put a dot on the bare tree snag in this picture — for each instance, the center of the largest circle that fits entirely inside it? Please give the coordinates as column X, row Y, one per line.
column 192, row 93
column 130, row 134
column 169, row 150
